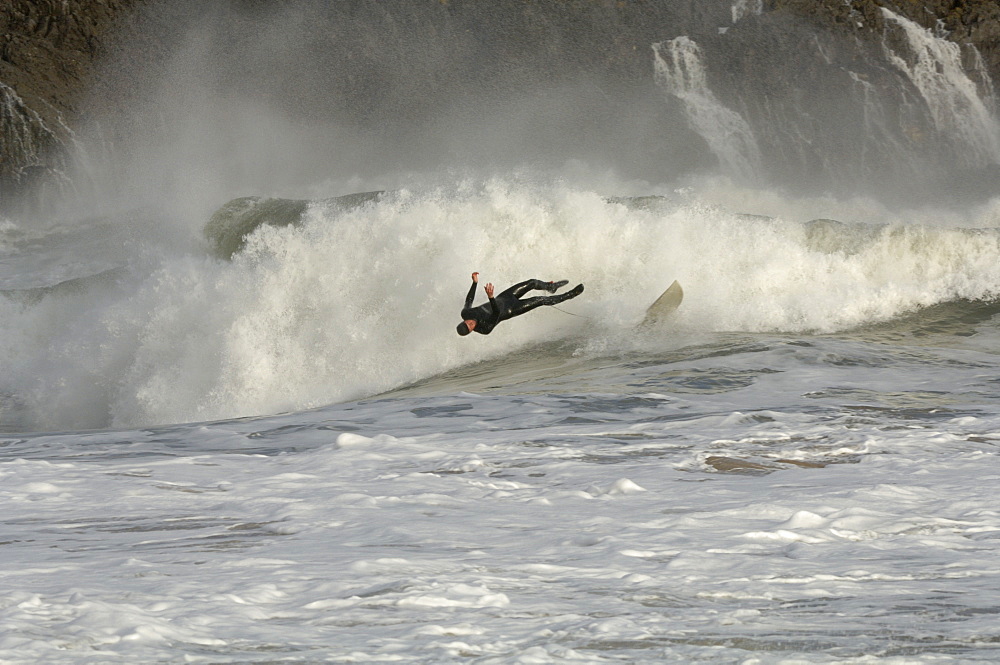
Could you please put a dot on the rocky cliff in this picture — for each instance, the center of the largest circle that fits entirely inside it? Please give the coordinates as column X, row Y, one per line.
column 975, row 22
column 870, row 95
column 764, row 57
column 49, row 50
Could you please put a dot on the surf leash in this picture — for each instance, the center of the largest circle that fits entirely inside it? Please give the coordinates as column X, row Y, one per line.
column 570, row 313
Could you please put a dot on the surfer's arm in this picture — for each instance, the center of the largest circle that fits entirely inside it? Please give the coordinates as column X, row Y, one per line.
column 493, row 302
column 472, row 290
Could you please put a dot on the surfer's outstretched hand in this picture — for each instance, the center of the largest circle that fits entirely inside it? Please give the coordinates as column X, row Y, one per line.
column 475, row 277
column 489, row 290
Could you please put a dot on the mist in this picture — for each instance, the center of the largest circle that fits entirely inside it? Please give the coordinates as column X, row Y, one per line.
column 512, row 135
column 200, row 103
column 311, row 99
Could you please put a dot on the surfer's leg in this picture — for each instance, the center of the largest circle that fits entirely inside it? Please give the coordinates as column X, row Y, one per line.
column 528, row 304
column 521, row 288
column 572, row 293
column 555, row 286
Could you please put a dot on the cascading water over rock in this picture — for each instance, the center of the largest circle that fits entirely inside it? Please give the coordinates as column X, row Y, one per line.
column 680, row 71
column 957, row 106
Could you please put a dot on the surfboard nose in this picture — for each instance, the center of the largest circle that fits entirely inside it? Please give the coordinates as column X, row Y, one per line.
column 663, row 306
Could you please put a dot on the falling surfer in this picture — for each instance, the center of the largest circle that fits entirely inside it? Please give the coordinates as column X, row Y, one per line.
column 508, row 304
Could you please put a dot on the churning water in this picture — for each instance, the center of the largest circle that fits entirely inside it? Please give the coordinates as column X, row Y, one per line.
column 288, row 455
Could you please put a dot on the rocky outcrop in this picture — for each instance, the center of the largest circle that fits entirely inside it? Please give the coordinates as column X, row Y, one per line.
column 975, row 22
column 871, row 102
column 48, row 53
column 811, row 77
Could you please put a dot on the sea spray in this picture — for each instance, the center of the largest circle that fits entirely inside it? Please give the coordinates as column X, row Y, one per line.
column 354, row 302
column 879, row 131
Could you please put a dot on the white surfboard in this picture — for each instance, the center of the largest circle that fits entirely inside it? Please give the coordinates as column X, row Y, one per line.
column 668, row 301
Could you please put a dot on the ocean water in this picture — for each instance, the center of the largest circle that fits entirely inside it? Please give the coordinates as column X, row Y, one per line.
column 290, row 457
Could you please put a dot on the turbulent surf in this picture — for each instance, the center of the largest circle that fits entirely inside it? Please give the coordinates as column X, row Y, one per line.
column 236, row 421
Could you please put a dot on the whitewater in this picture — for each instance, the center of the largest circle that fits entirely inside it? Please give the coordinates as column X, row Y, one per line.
column 287, row 455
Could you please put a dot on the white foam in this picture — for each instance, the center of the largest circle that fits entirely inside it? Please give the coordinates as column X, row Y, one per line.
column 353, row 304
column 152, row 562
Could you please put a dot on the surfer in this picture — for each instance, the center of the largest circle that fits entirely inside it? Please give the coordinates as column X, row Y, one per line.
column 508, row 304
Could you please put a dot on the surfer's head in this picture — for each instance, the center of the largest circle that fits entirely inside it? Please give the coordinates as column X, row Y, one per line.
column 465, row 327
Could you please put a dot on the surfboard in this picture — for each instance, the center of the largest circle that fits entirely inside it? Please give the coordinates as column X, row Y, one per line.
column 663, row 306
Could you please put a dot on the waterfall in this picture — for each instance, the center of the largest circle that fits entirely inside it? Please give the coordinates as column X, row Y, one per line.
column 934, row 65
column 23, row 131
column 27, row 144
column 679, row 70
column 989, row 94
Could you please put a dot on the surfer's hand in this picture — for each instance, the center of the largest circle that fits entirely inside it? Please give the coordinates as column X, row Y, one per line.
column 489, row 290
column 475, row 277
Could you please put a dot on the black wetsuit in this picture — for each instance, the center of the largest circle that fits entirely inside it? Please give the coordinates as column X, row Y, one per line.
column 508, row 304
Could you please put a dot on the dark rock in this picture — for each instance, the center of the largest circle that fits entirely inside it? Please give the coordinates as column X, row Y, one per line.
column 228, row 228
column 390, row 69
column 48, row 55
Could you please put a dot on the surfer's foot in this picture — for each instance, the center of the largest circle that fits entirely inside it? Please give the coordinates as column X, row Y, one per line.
column 555, row 286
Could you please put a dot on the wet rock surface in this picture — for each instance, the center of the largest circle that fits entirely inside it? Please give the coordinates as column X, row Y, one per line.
column 49, row 52
column 813, row 58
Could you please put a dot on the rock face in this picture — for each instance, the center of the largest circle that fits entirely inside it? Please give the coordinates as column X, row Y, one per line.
column 890, row 95
column 48, row 53
column 821, row 87
column 976, row 22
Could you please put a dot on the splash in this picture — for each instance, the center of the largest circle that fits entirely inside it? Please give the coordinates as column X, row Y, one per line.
column 680, row 71
column 352, row 302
